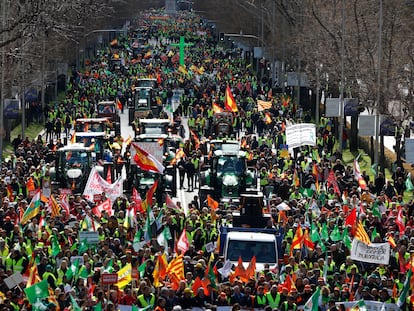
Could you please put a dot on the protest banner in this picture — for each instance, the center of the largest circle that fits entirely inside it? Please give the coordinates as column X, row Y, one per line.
column 378, row 253
column 96, row 185
column 300, row 135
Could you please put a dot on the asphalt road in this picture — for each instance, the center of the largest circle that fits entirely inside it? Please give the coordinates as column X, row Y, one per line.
column 126, row 130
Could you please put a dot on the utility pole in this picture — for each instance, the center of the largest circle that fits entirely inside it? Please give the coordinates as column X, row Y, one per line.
column 377, row 114
column 341, row 102
column 3, row 60
column 43, row 77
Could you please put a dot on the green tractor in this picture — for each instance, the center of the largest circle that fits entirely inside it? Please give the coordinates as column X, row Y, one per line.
column 226, row 175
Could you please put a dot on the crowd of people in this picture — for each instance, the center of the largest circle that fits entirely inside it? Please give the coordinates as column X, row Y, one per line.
column 321, row 190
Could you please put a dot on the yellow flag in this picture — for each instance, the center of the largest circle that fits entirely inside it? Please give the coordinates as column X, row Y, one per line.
column 124, row 276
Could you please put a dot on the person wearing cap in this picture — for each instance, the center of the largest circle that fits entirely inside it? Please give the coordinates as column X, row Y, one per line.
column 260, row 300
column 289, row 304
column 186, row 301
column 222, row 299
column 273, row 297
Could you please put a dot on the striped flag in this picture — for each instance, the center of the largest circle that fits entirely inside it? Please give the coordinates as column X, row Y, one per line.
column 297, row 240
column 400, row 222
column 357, row 171
column 146, row 161
column 267, row 118
column 361, row 234
column 263, row 105
column 32, row 210
column 64, row 202
column 54, row 206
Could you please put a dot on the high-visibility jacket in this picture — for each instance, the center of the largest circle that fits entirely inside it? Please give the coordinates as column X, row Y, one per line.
column 146, row 301
column 273, row 302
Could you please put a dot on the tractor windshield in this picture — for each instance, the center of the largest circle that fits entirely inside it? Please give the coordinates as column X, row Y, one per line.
column 231, row 164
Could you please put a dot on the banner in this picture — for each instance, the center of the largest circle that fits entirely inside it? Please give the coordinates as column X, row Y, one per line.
column 96, row 185
column 300, row 135
column 370, row 305
column 378, row 253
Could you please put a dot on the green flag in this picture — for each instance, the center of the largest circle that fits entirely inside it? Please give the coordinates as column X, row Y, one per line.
column 322, row 245
column 335, row 234
column 39, row 305
column 75, row 306
column 137, row 244
column 374, row 234
column 141, row 269
column 403, row 295
column 83, row 246
column 346, row 238
column 73, row 269
column 55, row 245
column 313, row 302
column 314, row 233
column 374, row 168
column 361, row 305
column 109, row 267
column 324, row 232
column 83, row 272
column 37, row 291
column 375, row 210
column 408, row 183
column 306, row 192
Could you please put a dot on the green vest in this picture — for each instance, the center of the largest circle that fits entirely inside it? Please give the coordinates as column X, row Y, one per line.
column 273, row 302
column 145, row 302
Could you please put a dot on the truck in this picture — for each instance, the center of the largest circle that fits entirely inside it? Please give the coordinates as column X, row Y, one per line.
column 225, row 174
column 143, row 105
column 248, row 238
column 72, row 166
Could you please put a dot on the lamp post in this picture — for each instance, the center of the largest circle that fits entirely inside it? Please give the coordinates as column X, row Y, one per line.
column 377, row 115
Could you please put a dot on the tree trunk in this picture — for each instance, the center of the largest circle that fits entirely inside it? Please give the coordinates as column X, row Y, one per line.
column 353, row 135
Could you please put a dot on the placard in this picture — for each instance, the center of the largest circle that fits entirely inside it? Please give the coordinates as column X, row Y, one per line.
column 14, row 280
column 409, row 150
column 300, row 135
column 91, row 237
column 109, row 278
column 366, row 125
column 332, row 107
column 378, row 253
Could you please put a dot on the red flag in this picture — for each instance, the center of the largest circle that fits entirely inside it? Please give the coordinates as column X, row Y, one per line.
column 400, row 222
column 104, row 206
column 331, row 181
column 351, row 219
column 137, row 199
column 182, row 244
column 169, row 202
column 268, row 118
column 229, row 101
column 196, row 285
column 64, row 202
column 148, row 198
column 196, row 139
column 212, row 203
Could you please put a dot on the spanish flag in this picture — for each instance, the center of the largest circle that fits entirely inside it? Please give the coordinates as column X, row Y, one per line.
column 217, row 108
column 146, row 161
column 229, row 101
column 114, row 42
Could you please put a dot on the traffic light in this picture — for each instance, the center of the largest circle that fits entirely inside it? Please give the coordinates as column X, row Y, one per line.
column 221, row 37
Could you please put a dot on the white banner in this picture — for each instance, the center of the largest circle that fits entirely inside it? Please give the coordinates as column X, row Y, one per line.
column 371, row 305
column 378, row 253
column 300, row 135
column 96, row 185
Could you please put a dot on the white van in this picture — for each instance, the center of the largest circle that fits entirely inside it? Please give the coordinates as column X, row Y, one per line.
column 246, row 244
